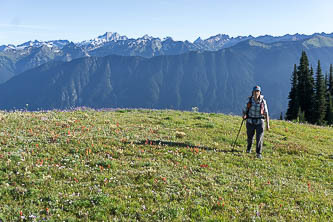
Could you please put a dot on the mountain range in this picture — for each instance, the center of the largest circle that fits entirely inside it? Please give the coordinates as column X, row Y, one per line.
column 17, row 59
column 212, row 80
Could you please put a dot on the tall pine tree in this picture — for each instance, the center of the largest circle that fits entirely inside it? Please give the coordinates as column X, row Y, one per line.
column 293, row 104
column 319, row 111
column 310, row 96
column 329, row 110
column 330, row 80
column 305, row 88
column 329, row 100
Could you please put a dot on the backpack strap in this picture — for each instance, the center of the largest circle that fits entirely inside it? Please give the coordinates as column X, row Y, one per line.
column 248, row 106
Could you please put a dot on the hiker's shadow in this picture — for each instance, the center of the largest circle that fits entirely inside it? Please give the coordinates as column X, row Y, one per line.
column 180, row 144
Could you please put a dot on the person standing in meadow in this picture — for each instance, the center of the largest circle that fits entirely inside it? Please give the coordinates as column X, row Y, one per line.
column 255, row 112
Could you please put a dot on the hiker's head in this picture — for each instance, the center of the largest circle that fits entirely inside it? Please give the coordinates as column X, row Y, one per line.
column 256, row 91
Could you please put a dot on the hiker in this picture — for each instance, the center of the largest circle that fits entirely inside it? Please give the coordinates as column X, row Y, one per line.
column 255, row 112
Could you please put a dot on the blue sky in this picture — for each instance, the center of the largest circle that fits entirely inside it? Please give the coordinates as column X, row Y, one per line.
column 78, row 20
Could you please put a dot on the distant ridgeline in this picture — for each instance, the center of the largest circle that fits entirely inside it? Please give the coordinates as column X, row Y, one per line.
column 63, row 76
column 310, row 96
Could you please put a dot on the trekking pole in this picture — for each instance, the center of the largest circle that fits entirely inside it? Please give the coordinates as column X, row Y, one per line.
column 237, row 135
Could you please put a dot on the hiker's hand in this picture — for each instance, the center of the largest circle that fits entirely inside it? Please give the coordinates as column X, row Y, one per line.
column 268, row 127
column 245, row 116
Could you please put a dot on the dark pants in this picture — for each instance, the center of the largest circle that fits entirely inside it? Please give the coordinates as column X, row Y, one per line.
column 259, row 130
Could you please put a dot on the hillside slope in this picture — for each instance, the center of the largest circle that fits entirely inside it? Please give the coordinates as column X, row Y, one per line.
column 166, row 165
column 212, row 81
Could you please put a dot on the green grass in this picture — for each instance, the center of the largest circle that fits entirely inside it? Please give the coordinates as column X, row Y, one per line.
column 89, row 165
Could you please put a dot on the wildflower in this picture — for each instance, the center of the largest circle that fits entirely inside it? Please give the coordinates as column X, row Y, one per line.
column 204, row 165
column 32, row 216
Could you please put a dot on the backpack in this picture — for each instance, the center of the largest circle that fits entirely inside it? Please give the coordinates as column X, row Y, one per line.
column 249, row 104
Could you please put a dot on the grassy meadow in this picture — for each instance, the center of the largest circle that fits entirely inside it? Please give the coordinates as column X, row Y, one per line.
column 160, row 165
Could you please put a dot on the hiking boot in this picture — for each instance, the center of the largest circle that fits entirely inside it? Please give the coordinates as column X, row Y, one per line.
column 248, row 151
column 259, row 156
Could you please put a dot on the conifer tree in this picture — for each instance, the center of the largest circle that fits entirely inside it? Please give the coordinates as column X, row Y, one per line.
column 302, row 71
column 305, row 88
column 319, row 111
column 293, row 104
column 330, row 80
column 329, row 100
column 329, row 110
column 309, row 110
